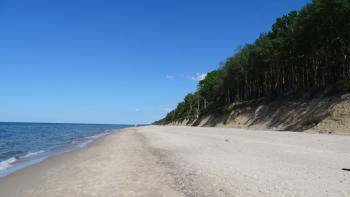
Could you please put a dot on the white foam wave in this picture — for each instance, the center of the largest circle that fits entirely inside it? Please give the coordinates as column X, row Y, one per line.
column 85, row 143
column 7, row 163
column 30, row 154
column 88, row 140
column 98, row 135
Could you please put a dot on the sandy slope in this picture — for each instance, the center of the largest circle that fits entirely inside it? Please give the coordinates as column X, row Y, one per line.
column 329, row 115
column 185, row 161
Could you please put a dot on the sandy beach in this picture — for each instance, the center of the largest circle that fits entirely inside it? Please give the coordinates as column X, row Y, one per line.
column 192, row 161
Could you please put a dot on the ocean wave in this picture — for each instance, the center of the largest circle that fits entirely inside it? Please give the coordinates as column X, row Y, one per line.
column 98, row 135
column 88, row 140
column 7, row 163
column 84, row 143
column 30, row 154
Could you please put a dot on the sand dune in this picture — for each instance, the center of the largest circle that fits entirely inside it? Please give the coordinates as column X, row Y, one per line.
column 188, row 161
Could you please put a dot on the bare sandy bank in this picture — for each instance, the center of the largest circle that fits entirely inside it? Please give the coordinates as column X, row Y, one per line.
column 193, row 161
column 330, row 115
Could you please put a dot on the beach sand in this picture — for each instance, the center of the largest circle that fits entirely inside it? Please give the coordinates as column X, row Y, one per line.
column 192, row 161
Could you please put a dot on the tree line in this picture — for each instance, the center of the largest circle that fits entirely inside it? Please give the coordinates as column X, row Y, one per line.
column 305, row 51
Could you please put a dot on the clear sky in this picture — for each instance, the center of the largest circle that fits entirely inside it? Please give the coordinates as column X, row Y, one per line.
column 117, row 61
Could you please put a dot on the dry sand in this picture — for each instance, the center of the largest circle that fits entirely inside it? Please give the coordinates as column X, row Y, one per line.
column 189, row 161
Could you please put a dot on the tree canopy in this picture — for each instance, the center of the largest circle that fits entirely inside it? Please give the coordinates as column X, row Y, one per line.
column 306, row 50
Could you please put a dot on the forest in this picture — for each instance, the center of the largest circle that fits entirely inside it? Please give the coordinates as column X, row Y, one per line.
column 306, row 51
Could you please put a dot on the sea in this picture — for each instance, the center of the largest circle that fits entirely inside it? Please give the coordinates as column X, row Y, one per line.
column 24, row 144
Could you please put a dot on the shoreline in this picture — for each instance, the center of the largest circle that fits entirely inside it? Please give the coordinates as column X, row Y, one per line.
column 33, row 158
column 192, row 161
column 60, row 154
column 29, row 181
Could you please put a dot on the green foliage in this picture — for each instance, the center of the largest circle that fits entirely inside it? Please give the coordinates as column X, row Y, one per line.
column 305, row 50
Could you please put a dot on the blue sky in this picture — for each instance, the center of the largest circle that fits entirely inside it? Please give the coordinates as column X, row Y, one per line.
column 117, row 61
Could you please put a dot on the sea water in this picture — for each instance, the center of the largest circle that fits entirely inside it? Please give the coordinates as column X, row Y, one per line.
column 24, row 144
